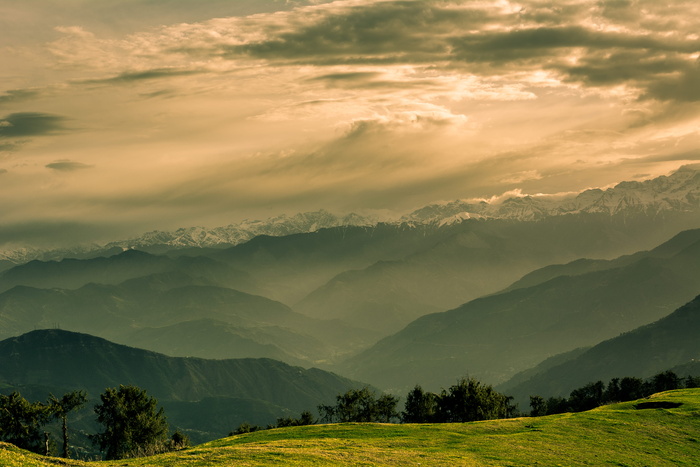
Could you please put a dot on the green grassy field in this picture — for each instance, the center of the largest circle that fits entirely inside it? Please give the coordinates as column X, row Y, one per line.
column 617, row 435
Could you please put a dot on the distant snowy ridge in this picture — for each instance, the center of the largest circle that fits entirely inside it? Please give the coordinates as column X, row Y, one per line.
column 678, row 192
column 195, row 237
column 238, row 233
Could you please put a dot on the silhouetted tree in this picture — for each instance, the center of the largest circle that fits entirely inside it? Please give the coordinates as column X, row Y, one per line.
column 21, row 422
column 356, row 405
column 665, row 381
column 385, row 408
column 469, row 401
column 133, row 425
column 557, row 405
column 244, row 428
column 420, row 406
column 631, row 388
column 306, row 418
column 62, row 407
column 538, row 406
column 692, row 382
column 179, row 440
column 587, row 397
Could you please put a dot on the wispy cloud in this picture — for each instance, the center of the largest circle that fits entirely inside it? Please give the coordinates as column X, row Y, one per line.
column 67, row 166
column 23, row 124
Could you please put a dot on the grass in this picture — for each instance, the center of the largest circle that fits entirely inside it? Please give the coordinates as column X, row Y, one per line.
column 615, row 435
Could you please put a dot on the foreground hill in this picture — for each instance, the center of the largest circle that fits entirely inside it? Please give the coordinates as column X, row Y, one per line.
column 224, row 393
column 620, row 434
column 671, row 342
column 494, row 337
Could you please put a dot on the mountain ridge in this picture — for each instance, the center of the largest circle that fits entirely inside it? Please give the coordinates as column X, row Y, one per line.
column 676, row 192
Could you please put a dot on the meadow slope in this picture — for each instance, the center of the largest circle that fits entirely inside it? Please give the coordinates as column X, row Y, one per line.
column 621, row 434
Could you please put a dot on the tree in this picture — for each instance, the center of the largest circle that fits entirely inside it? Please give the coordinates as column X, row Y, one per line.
column 665, row 381
column 360, row 406
column 538, row 406
column 179, row 440
column 469, row 401
column 420, row 406
column 587, row 397
column 132, row 423
column 356, row 405
column 21, row 422
column 62, row 407
column 385, row 410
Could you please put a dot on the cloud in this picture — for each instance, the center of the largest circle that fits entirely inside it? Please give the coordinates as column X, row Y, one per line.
column 67, row 166
column 3, row 171
column 146, row 75
column 16, row 95
column 25, row 124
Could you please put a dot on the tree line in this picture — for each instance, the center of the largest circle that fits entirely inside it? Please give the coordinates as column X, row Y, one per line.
column 131, row 421
column 466, row 401
column 598, row 393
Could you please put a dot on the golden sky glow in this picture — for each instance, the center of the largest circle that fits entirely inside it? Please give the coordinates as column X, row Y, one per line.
column 122, row 117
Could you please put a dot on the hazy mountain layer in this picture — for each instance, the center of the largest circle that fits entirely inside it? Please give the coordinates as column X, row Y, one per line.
column 667, row 343
column 494, row 337
column 472, row 259
column 173, row 314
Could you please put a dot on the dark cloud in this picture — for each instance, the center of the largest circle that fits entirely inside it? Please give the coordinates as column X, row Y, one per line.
column 67, row 166
column 371, row 80
column 654, row 59
column 15, row 95
column 25, row 124
column 3, row 171
column 159, row 73
column 385, row 32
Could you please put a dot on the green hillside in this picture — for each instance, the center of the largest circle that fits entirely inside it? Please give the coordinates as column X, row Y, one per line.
column 626, row 434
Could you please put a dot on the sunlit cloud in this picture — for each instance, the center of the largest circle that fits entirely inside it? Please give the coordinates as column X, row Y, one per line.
column 210, row 112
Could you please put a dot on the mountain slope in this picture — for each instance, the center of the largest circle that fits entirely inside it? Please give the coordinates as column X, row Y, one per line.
column 669, row 342
column 494, row 337
column 60, row 361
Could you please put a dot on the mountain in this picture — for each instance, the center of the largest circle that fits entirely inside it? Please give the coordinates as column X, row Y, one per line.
column 496, row 336
column 671, row 342
column 677, row 192
column 129, row 264
column 58, row 361
column 173, row 314
column 196, row 237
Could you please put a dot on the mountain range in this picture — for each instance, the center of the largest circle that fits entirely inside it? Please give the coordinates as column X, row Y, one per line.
column 677, row 192
column 574, row 305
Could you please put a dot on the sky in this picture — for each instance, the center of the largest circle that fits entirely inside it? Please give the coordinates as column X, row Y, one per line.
column 118, row 118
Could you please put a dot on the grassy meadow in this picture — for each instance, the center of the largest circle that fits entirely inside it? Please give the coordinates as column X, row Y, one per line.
column 617, row 435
